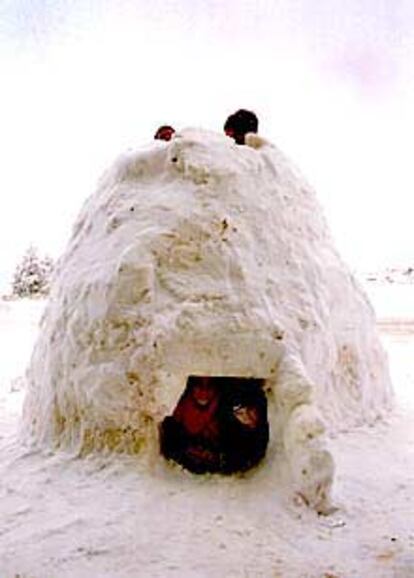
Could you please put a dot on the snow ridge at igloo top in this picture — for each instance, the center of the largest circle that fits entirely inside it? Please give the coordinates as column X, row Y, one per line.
column 197, row 256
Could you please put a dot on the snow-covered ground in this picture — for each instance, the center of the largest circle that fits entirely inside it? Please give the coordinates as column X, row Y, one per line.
column 65, row 517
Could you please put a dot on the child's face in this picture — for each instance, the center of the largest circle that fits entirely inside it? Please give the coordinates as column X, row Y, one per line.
column 203, row 392
column 248, row 416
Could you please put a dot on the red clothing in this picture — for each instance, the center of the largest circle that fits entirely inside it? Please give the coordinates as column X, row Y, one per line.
column 198, row 420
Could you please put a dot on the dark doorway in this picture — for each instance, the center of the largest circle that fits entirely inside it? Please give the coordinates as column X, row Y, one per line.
column 219, row 425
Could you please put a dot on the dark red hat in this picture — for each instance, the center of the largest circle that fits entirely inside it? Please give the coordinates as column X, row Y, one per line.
column 164, row 132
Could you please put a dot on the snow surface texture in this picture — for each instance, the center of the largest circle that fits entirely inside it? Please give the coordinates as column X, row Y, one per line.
column 199, row 256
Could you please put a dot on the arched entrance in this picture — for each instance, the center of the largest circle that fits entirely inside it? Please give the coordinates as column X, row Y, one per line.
column 218, row 425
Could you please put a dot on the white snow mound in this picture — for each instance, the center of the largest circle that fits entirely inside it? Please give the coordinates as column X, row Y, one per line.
column 201, row 257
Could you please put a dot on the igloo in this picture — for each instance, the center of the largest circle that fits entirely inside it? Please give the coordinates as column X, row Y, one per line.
column 199, row 257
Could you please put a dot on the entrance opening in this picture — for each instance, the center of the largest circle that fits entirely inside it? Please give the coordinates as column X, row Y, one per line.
column 219, row 425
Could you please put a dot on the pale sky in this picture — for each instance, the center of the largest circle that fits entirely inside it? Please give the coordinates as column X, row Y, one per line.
column 331, row 81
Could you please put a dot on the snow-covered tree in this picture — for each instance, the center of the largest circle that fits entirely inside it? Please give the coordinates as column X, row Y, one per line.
column 32, row 275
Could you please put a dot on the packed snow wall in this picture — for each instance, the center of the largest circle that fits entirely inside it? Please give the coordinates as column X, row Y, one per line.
column 201, row 257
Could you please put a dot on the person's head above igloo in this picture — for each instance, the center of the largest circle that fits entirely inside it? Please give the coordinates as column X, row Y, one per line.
column 241, row 123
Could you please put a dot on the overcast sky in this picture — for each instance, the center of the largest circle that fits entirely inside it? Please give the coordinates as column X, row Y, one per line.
column 332, row 83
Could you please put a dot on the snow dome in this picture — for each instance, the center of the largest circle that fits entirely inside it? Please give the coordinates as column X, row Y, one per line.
column 199, row 257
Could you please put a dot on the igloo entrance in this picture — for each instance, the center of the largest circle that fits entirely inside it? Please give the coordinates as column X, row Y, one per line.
column 219, row 425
